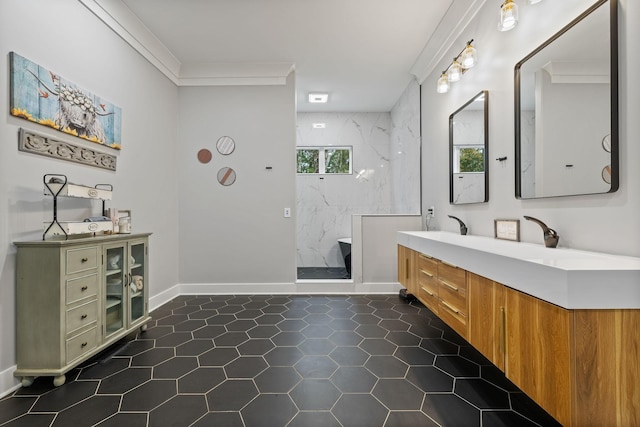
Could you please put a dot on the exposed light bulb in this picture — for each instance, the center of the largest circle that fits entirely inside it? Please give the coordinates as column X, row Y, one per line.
column 469, row 57
column 454, row 72
column 443, row 84
column 508, row 15
column 534, row 1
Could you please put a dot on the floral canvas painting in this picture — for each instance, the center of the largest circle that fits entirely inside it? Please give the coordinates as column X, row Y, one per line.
column 42, row 96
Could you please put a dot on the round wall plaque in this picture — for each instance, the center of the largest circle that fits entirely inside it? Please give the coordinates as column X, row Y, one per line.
column 225, row 145
column 226, row 176
column 204, row 156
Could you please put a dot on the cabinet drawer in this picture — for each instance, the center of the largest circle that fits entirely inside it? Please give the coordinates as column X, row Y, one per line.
column 457, row 297
column 453, row 317
column 81, row 288
column 427, row 264
column 429, row 297
column 81, row 344
column 82, row 315
column 453, row 275
column 425, row 277
column 82, row 259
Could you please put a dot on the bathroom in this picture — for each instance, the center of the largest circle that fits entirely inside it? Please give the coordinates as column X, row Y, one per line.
column 204, row 235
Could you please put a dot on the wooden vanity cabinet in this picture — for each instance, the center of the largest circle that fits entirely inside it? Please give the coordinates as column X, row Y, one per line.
column 538, row 351
column 452, row 296
column 581, row 366
column 487, row 317
column 427, row 281
column 441, row 287
column 406, row 269
column 529, row 339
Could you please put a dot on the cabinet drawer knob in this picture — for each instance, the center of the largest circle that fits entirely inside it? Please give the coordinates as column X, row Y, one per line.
column 84, row 288
column 85, row 259
column 84, row 316
column 84, row 344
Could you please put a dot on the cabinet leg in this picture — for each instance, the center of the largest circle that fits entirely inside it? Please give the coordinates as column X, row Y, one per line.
column 59, row 380
column 143, row 328
column 27, row 381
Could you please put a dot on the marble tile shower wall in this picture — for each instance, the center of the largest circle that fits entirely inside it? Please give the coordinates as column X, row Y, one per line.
column 325, row 203
column 385, row 180
column 405, row 152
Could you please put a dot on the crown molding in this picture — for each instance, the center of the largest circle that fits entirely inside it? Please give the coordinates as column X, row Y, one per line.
column 450, row 28
column 122, row 21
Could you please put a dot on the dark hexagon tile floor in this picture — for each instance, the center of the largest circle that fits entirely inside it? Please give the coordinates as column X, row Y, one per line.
column 282, row 361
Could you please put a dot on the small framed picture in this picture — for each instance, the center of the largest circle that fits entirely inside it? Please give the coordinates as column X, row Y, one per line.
column 507, row 229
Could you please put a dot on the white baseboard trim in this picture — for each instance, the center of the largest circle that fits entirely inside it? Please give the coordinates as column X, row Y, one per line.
column 8, row 382
column 300, row 288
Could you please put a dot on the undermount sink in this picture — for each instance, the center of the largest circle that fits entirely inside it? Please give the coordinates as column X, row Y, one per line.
column 566, row 277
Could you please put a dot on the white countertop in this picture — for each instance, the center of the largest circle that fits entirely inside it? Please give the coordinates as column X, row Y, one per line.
column 569, row 278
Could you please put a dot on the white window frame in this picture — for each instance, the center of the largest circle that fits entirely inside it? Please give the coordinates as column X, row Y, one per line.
column 322, row 154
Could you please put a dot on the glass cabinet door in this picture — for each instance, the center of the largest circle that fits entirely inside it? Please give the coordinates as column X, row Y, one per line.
column 137, row 281
column 115, row 278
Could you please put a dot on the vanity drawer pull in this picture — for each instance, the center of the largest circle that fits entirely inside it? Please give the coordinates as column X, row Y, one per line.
column 450, row 307
column 84, row 316
column 425, row 256
column 427, row 291
column 85, row 259
column 84, row 344
column 426, row 273
column 449, row 285
column 84, row 288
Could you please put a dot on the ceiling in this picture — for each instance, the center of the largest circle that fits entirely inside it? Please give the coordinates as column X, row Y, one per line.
column 363, row 53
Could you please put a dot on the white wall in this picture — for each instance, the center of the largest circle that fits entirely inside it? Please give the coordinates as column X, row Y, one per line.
column 605, row 222
column 84, row 51
column 237, row 233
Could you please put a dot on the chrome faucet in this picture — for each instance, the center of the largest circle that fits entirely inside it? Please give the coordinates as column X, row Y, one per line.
column 463, row 227
column 551, row 236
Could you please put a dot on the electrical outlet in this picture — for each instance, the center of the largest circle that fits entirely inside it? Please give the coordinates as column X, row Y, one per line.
column 287, row 212
column 431, row 211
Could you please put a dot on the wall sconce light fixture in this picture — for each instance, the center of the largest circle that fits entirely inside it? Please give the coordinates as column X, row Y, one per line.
column 508, row 15
column 443, row 84
column 467, row 58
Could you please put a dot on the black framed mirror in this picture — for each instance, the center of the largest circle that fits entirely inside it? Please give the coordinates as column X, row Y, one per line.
column 469, row 151
column 566, row 109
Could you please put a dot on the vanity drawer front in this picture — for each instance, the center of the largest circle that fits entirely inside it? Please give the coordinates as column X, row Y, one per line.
column 82, row 259
column 453, row 317
column 82, row 315
column 427, row 264
column 425, row 277
column 453, row 295
column 81, row 288
column 428, row 298
column 81, row 344
column 452, row 275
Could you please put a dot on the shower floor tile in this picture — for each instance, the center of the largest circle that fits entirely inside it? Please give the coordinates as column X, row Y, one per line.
column 323, row 273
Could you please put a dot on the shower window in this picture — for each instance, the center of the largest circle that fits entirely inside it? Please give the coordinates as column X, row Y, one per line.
column 324, row 160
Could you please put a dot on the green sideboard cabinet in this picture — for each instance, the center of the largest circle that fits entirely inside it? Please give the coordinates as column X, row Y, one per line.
column 76, row 297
